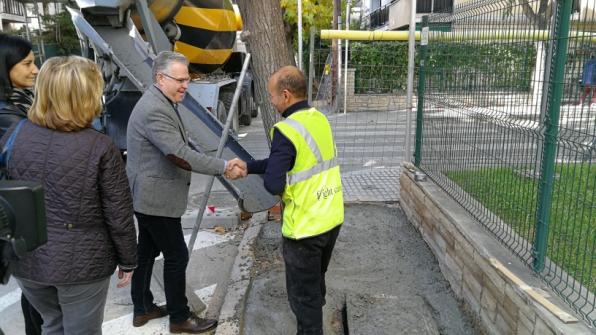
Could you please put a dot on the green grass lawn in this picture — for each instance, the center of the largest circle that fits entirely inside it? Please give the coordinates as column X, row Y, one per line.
column 572, row 229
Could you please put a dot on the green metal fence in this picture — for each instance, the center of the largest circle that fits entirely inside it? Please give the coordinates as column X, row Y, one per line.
column 506, row 126
column 366, row 105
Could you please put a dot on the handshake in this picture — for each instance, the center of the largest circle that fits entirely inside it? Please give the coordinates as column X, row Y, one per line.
column 235, row 169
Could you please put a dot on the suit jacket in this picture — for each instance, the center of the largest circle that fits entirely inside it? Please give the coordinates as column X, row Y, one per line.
column 156, row 138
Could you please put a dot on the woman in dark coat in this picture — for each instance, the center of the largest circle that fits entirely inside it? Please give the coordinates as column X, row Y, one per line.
column 89, row 212
column 17, row 75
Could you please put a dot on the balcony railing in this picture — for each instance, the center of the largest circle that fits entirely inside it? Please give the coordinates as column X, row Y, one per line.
column 379, row 17
column 11, row 7
column 434, row 6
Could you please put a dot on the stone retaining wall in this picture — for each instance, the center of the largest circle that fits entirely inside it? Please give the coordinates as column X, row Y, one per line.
column 464, row 251
column 368, row 102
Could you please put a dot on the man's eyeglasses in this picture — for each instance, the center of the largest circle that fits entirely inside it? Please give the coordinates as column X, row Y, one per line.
column 180, row 81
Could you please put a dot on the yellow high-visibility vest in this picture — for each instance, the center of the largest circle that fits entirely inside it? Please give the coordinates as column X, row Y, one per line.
column 313, row 197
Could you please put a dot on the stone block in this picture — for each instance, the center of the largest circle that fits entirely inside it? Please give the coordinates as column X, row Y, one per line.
column 446, row 235
column 474, row 271
column 489, row 304
column 523, row 330
column 541, row 328
column 432, row 244
column 505, row 321
column 524, row 323
column 464, row 258
column 464, row 245
column 439, row 241
column 525, row 307
column 415, row 190
column 453, row 267
column 510, row 307
column 471, row 300
column 419, row 206
column 493, row 279
column 496, row 290
column 488, row 324
column 455, row 282
column 473, row 284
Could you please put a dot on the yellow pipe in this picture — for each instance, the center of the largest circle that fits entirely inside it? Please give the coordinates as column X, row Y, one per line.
column 536, row 35
column 358, row 35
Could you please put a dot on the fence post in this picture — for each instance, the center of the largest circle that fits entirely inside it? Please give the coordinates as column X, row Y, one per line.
column 311, row 63
column 421, row 89
column 551, row 124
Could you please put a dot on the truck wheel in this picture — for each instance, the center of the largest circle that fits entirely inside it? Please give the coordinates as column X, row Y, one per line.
column 225, row 97
column 245, row 119
column 252, row 105
column 245, row 116
column 221, row 113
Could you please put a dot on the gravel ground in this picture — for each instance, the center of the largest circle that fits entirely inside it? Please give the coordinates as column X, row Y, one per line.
column 383, row 279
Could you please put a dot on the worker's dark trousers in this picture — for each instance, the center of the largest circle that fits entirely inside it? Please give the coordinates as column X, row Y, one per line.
column 306, row 263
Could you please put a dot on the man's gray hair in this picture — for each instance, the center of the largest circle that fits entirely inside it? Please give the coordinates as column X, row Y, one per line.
column 162, row 62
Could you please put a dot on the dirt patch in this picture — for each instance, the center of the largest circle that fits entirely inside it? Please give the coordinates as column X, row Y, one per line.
column 382, row 278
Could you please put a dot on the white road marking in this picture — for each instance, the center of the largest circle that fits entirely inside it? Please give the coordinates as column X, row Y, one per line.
column 205, row 294
column 9, row 299
column 370, row 163
column 205, row 239
column 123, row 324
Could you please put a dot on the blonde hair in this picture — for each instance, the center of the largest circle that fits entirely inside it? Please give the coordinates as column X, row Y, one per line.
column 68, row 94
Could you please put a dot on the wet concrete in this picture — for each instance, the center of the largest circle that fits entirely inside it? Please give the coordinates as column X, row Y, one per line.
column 382, row 279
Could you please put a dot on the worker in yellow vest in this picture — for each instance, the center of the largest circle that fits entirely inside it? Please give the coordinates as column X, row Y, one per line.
column 302, row 167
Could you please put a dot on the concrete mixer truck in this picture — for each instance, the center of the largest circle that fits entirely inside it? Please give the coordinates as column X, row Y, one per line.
column 123, row 36
column 205, row 31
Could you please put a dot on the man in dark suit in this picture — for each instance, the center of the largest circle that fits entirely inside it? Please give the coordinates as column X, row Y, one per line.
column 159, row 166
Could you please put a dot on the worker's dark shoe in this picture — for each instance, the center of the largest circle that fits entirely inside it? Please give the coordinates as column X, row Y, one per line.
column 156, row 312
column 193, row 325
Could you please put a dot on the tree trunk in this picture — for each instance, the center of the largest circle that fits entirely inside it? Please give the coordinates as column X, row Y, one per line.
column 266, row 41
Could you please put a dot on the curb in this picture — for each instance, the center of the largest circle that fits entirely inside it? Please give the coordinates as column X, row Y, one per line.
column 232, row 310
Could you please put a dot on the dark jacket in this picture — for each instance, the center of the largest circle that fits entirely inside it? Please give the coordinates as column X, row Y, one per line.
column 88, row 205
column 281, row 158
column 9, row 114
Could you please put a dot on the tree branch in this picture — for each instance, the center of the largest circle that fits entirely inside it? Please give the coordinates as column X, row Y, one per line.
column 536, row 19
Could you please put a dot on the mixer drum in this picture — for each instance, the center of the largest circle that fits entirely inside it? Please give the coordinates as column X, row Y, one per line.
column 207, row 27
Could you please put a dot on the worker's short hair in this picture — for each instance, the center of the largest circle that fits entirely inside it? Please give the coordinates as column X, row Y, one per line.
column 164, row 59
column 292, row 79
column 68, row 93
